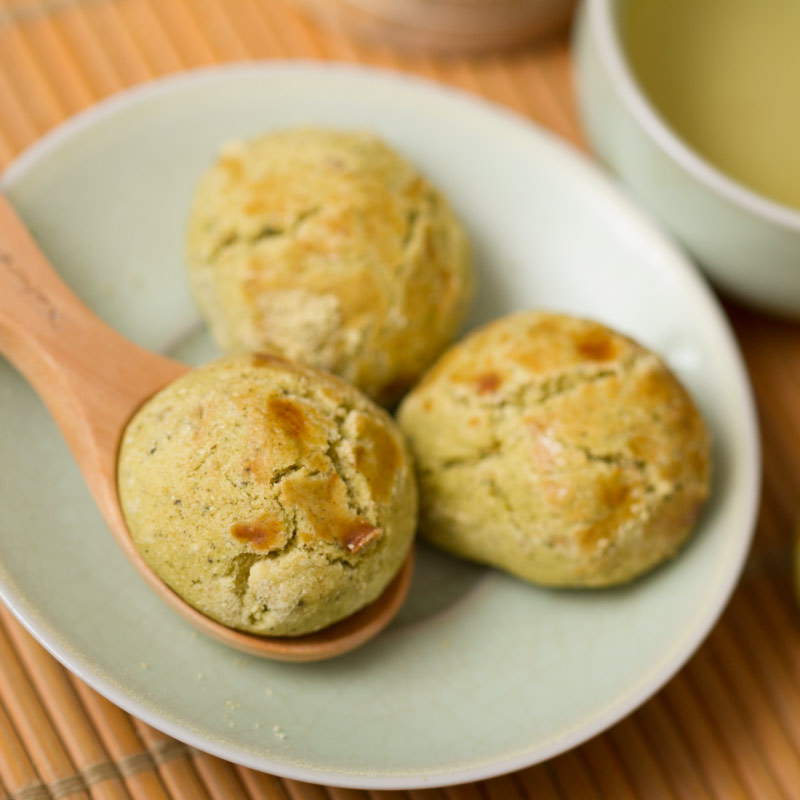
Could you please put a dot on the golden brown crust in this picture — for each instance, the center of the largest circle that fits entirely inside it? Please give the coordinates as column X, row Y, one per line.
column 272, row 497
column 329, row 248
column 557, row 449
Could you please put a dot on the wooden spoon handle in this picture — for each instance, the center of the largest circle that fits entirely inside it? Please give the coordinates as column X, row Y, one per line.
column 90, row 377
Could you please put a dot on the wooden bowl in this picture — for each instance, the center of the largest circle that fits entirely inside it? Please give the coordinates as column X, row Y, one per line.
column 443, row 26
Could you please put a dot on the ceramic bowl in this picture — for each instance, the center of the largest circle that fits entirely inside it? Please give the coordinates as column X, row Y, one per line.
column 480, row 673
column 748, row 245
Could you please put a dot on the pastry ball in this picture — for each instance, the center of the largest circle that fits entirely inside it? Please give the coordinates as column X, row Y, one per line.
column 330, row 249
column 558, row 450
column 274, row 498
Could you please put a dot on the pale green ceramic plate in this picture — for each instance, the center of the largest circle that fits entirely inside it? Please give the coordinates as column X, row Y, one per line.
column 481, row 673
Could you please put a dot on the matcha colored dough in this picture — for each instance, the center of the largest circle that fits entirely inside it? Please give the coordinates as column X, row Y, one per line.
column 558, row 450
column 272, row 497
column 328, row 248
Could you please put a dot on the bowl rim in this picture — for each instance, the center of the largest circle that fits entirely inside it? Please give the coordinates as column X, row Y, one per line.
column 602, row 20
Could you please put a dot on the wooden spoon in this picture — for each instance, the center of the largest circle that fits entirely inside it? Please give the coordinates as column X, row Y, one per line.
column 92, row 380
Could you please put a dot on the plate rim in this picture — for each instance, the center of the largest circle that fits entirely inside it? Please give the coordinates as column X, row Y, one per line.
column 680, row 265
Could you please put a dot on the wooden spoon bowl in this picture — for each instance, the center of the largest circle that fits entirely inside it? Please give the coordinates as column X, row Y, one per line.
column 92, row 380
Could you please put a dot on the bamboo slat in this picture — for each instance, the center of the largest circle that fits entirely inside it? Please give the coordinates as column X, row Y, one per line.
column 118, row 735
column 607, row 771
column 17, row 772
column 504, row 788
column 641, row 761
column 536, row 782
column 174, row 764
column 346, row 794
column 220, row 777
column 261, row 786
column 468, row 791
column 660, row 728
column 36, row 732
column 304, row 791
column 572, row 776
column 68, row 716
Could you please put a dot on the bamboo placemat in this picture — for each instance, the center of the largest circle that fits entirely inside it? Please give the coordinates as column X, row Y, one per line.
column 727, row 727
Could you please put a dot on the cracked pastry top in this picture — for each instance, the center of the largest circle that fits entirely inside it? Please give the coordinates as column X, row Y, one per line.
column 274, row 498
column 558, row 450
column 328, row 248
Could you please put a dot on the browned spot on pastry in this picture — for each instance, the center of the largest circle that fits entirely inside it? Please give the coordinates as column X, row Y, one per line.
column 657, row 387
column 360, row 535
column 317, row 461
column 614, row 493
column 258, row 470
column 597, row 344
column 550, row 344
column 322, row 502
column 320, row 499
column 360, row 295
column 488, row 382
column 268, row 360
column 377, row 457
column 533, row 358
column 263, row 534
column 254, row 206
column 232, row 166
column 547, row 325
column 643, row 447
column 287, row 416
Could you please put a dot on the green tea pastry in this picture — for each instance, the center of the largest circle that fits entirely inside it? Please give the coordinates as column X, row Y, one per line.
column 558, row 450
column 274, row 498
column 330, row 249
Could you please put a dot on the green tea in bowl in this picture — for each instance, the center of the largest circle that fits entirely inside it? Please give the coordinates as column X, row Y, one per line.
column 725, row 76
